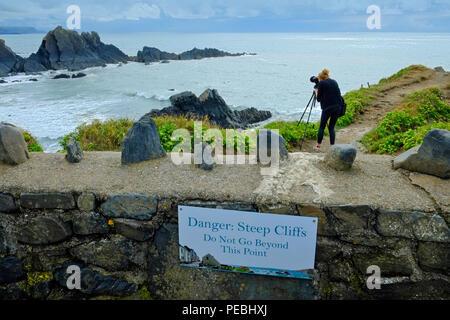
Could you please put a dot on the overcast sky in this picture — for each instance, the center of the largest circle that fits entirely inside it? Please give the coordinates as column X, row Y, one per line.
column 229, row 15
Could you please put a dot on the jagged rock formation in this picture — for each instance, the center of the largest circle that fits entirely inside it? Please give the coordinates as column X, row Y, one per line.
column 150, row 54
column 8, row 59
column 210, row 104
column 62, row 49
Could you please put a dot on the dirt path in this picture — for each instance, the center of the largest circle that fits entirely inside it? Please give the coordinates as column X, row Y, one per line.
column 384, row 102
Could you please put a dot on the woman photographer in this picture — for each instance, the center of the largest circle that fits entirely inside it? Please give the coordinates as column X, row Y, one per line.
column 329, row 95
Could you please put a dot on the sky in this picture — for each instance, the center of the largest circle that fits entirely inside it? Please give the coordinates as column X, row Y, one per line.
column 230, row 15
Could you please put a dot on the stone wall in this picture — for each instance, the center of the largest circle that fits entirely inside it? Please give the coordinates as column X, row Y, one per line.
column 127, row 248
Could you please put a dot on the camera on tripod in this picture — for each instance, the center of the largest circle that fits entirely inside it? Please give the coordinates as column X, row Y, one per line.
column 314, row 79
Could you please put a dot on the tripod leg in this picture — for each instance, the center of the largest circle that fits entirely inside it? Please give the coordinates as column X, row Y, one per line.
column 307, row 106
column 307, row 123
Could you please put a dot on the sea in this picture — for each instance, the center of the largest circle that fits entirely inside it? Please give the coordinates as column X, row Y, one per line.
column 275, row 79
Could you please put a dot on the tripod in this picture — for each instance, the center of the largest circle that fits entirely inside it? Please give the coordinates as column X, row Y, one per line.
column 311, row 104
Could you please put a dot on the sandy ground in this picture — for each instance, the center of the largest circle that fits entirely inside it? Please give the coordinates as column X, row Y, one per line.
column 302, row 179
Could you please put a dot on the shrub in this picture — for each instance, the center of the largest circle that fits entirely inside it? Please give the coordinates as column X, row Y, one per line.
column 32, row 143
column 405, row 127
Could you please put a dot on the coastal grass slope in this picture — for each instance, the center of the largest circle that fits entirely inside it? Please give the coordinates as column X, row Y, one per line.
column 400, row 129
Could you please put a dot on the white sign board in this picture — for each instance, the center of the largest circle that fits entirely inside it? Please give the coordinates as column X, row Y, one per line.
column 261, row 243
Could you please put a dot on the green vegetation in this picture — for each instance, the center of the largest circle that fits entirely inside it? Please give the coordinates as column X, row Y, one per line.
column 32, row 144
column 405, row 127
column 109, row 135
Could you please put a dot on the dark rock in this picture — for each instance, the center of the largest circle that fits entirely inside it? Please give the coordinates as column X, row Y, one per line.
column 74, row 152
column 94, row 282
column 7, row 203
column 78, row 75
column 432, row 157
column 61, row 76
column 33, row 80
column 3, row 81
column 413, row 225
column 142, row 142
column 86, row 201
column 390, row 264
column 130, row 206
column 210, row 104
column 11, row 270
column 90, row 223
column 341, row 156
column 8, row 60
column 47, row 201
column 134, row 230
column 434, row 256
column 264, row 147
column 203, row 156
column 13, row 148
column 150, row 54
column 220, row 205
column 111, row 254
column 66, row 49
column 44, row 230
column 209, row 261
column 439, row 69
column 206, row 53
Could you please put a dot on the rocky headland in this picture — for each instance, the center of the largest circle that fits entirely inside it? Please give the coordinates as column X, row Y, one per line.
column 67, row 49
column 210, row 104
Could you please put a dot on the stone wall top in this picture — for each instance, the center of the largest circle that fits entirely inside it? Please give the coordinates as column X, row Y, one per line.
column 302, row 179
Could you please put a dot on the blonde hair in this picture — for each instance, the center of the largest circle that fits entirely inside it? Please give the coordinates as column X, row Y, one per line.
column 325, row 74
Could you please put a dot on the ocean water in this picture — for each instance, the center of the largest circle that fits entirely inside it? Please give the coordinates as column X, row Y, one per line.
column 276, row 79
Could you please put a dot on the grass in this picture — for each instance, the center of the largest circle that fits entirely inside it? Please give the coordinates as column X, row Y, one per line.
column 417, row 114
column 405, row 127
column 32, row 143
column 109, row 135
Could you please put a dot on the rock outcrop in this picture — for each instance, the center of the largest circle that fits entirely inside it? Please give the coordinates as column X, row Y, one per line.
column 8, row 60
column 66, row 49
column 210, row 104
column 150, row 54
column 62, row 49
column 432, row 157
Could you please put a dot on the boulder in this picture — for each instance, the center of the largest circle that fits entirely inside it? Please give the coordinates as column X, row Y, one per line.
column 134, row 230
column 61, row 76
column 7, row 203
column 90, row 223
column 74, row 153
column 13, row 148
column 340, row 156
column 209, row 261
column 439, row 69
column 78, row 75
column 44, row 230
column 203, row 154
column 210, row 104
column 264, row 146
column 86, row 201
column 432, row 157
column 113, row 254
column 142, row 142
column 94, row 282
column 3, row 81
column 47, row 201
column 130, row 206
column 11, row 270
